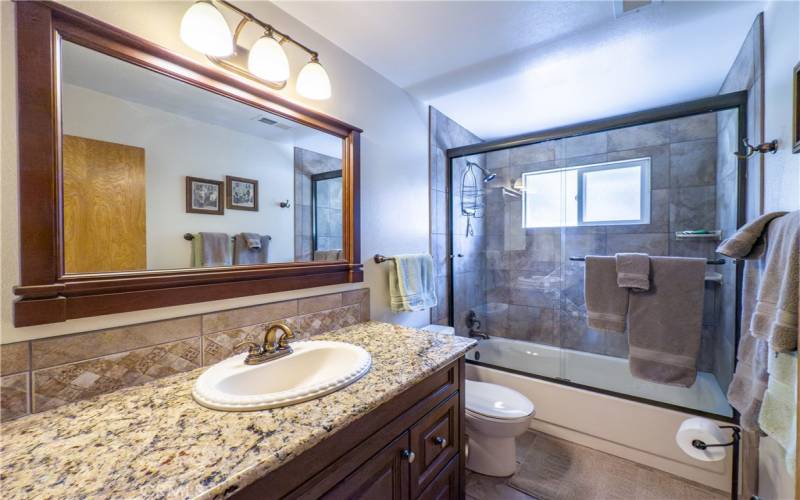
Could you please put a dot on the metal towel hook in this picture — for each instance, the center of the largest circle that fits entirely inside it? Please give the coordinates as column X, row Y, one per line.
column 750, row 150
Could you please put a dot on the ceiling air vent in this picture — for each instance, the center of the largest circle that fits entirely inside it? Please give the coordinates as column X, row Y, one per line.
column 622, row 7
column 267, row 121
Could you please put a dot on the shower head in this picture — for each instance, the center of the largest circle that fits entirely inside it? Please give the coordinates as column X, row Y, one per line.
column 487, row 176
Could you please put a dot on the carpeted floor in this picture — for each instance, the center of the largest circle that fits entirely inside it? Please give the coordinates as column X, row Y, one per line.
column 554, row 469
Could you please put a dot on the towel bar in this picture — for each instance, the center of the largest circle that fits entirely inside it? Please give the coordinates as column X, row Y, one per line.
column 379, row 259
column 710, row 262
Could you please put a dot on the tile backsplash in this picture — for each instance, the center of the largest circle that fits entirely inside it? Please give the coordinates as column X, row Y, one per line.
column 43, row 374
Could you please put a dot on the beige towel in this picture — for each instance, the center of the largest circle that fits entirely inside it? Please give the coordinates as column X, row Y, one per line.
column 775, row 315
column 665, row 322
column 216, row 250
column 633, row 271
column 749, row 382
column 244, row 254
column 326, row 255
column 741, row 244
column 778, row 417
column 606, row 302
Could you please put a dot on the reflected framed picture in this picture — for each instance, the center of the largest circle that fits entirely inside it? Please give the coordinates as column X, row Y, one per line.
column 241, row 193
column 796, row 109
column 204, row 196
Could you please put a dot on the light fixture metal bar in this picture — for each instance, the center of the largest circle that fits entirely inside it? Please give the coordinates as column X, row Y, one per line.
column 268, row 27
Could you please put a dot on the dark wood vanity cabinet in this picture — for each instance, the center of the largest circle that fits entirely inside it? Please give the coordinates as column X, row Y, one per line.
column 409, row 447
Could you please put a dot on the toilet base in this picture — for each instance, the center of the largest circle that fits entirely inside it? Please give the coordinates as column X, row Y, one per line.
column 493, row 456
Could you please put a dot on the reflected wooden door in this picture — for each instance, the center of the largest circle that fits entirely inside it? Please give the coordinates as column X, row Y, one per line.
column 104, row 206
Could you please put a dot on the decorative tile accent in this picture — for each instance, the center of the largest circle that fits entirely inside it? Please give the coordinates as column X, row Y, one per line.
column 316, row 323
column 218, row 346
column 14, row 396
column 235, row 318
column 53, row 387
column 14, row 358
column 70, row 348
column 360, row 297
column 319, row 303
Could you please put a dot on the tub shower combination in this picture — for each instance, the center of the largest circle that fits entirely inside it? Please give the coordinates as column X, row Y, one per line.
column 525, row 211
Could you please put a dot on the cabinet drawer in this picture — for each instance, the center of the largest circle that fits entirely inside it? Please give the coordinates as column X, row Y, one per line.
column 435, row 440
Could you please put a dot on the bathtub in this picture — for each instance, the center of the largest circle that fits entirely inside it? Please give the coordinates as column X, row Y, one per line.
column 607, row 373
column 631, row 429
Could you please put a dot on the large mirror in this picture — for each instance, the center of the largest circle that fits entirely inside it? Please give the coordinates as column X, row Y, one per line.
column 159, row 174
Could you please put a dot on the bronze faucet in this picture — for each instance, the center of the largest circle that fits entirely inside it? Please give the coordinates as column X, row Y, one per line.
column 275, row 345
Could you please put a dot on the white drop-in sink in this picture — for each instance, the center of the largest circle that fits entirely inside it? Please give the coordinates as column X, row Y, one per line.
column 314, row 369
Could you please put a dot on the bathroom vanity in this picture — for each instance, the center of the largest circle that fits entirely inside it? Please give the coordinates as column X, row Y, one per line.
column 397, row 432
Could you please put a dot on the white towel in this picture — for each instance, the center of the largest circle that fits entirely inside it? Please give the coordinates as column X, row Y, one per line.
column 778, row 417
column 411, row 283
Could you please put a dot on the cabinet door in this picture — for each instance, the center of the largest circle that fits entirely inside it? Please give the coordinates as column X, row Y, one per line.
column 384, row 476
column 445, row 485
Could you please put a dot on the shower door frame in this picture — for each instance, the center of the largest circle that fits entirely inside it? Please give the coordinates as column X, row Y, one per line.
column 722, row 102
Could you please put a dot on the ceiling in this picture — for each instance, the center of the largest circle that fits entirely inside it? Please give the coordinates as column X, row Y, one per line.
column 89, row 69
column 505, row 68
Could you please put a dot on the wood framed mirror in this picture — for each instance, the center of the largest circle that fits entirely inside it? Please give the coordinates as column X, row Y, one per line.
column 127, row 152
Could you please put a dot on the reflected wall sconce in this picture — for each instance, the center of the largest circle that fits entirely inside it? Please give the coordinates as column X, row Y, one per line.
column 204, row 29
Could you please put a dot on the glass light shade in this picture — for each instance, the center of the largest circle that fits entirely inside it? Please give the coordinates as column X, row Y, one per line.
column 204, row 29
column 313, row 82
column 268, row 61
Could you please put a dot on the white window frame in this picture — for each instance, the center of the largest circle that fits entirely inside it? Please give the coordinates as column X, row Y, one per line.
column 645, row 192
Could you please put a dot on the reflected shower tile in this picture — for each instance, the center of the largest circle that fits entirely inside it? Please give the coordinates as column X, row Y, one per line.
column 584, row 145
column 496, row 160
column 439, row 254
column 580, row 245
column 650, row 134
column 690, row 128
column 649, row 243
column 543, row 245
column 693, row 163
column 536, row 324
column 692, row 208
column 438, row 172
column 575, row 334
column 533, row 153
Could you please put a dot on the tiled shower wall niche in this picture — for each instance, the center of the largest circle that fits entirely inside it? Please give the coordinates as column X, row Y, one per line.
column 44, row 374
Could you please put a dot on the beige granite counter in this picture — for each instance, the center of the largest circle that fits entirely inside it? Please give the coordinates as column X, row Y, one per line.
column 154, row 441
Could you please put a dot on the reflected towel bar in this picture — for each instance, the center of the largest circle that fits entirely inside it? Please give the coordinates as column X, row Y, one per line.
column 190, row 237
column 710, row 262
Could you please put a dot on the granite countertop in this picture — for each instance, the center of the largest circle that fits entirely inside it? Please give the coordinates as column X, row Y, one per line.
column 154, row 441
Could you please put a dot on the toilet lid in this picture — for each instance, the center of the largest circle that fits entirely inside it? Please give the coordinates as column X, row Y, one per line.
column 496, row 401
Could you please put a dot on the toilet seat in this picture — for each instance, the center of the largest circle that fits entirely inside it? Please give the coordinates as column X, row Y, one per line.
column 496, row 403
column 472, row 414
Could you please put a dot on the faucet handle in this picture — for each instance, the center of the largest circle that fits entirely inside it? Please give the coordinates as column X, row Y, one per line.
column 252, row 347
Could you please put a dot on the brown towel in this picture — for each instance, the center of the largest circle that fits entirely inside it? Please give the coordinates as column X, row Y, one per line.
column 775, row 314
column 606, row 303
column 665, row 322
column 749, row 382
column 216, row 249
column 244, row 255
column 633, row 271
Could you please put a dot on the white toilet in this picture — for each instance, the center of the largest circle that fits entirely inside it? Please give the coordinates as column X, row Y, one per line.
column 495, row 416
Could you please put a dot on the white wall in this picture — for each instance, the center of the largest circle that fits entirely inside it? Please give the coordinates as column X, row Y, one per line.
column 175, row 147
column 781, row 181
column 394, row 158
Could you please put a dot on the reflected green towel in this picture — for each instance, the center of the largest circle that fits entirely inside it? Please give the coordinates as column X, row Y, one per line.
column 411, row 283
column 197, row 250
column 778, row 417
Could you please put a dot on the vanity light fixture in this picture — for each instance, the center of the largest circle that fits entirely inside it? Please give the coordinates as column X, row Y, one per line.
column 204, row 29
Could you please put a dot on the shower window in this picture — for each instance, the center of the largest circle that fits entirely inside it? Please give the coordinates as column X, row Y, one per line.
column 598, row 194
